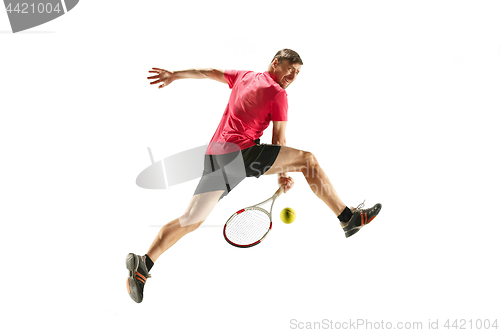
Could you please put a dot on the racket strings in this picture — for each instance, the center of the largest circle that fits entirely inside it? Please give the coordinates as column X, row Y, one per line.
column 248, row 227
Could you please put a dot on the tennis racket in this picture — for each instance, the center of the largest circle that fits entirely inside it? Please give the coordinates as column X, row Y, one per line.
column 249, row 226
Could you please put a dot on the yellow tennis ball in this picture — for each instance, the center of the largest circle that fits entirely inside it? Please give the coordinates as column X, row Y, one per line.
column 287, row 215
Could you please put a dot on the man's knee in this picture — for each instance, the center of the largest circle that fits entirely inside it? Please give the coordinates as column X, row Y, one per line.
column 191, row 220
column 309, row 160
column 193, row 226
column 199, row 208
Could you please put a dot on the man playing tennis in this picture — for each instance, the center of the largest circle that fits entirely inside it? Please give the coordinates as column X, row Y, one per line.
column 256, row 99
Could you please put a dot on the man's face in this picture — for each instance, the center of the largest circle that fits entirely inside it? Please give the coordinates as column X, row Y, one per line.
column 284, row 72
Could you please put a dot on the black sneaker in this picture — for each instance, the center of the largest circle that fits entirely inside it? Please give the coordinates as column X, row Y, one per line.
column 138, row 274
column 360, row 218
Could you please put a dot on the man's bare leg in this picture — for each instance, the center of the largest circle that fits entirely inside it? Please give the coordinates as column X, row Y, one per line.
column 198, row 210
column 294, row 160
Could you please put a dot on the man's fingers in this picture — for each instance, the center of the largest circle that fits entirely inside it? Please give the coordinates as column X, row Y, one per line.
column 154, row 77
column 286, row 182
column 157, row 81
column 158, row 69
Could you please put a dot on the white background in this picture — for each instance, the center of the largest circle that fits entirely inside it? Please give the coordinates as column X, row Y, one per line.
column 397, row 100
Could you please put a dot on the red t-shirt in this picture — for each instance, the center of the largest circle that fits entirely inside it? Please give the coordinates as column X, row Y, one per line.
column 256, row 100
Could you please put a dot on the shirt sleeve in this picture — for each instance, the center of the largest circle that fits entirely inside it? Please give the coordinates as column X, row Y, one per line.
column 232, row 76
column 279, row 107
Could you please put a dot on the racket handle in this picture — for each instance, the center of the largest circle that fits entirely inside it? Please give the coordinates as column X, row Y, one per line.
column 279, row 191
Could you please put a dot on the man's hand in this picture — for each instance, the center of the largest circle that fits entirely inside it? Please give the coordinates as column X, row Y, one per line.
column 164, row 77
column 284, row 180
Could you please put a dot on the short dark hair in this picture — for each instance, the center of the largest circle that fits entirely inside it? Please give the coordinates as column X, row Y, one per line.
column 288, row 55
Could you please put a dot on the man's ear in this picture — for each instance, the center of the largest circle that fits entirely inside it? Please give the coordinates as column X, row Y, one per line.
column 274, row 62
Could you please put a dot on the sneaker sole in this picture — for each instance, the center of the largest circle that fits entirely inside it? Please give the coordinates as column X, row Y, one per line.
column 351, row 232
column 132, row 263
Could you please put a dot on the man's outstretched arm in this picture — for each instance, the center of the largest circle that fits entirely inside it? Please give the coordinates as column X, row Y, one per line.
column 165, row 77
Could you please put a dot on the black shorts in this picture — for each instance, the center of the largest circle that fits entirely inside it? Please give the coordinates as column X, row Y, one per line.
column 225, row 172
